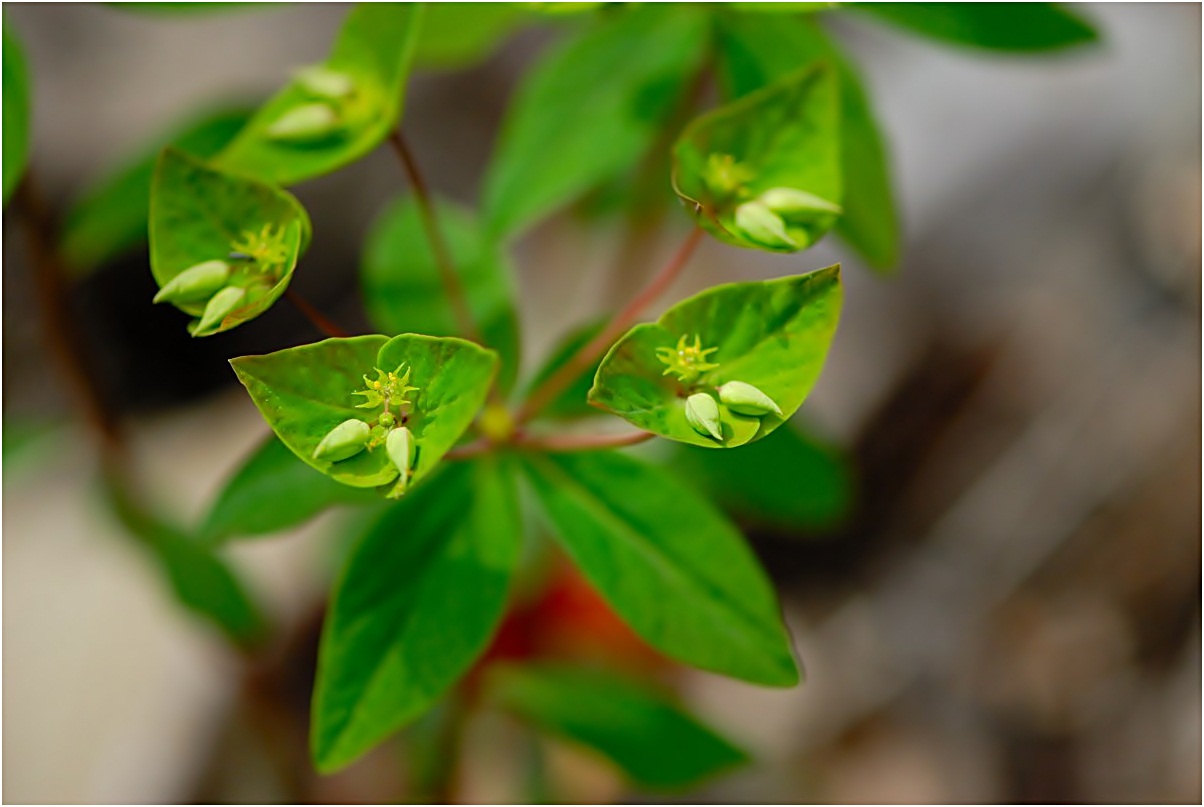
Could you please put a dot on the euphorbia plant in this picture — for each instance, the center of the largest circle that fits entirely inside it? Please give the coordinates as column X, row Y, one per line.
column 432, row 419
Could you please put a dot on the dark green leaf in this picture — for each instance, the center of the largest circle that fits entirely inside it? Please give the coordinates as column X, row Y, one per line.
column 403, row 290
column 783, row 136
column 1021, row 27
column 198, row 214
column 201, row 580
column 373, row 50
column 650, row 738
column 667, row 561
column 305, row 392
column 757, row 50
column 111, row 216
column 573, row 401
column 773, row 334
column 456, row 35
column 787, row 481
column 589, row 109
column 16, row 112
column 416, row 605
column 273, row 491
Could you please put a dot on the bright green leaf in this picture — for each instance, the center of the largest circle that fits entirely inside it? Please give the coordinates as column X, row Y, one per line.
column 403, row 290
column 757, row 50
column 589, row 109
column 649, row 737
column 273, row 491
column 573, row 401
column 110, row 217
column 779, row 8
column 787, row 482
column 667, row 561
column 415, row 606
column 201, row 580
column 305, row 392
column 772, row 334
column 783, row 136
column 455, row 35
column 1023, row 27
column 199, row 214
column 373, row 50
column 16, row 112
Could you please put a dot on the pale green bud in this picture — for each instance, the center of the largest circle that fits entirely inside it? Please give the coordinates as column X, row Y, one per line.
column 745, row 399
column 195, row 283
column 323, row 82
column 305, row 123
column 762, row 225
column 790, row 202
column 343, row 441
column 218, row 307
column 386, row 419
column 703, row 414
column 401, row 450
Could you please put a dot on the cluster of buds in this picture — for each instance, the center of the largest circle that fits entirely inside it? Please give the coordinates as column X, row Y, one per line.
column 689, row 362
column 319, row 117
column 387, row 391
column 260, row 255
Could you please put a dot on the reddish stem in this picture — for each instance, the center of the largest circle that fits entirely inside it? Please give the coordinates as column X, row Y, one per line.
column 316, row 317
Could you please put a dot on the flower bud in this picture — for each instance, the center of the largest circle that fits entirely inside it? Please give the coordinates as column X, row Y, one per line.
column 218, row 307
column 760, row 224
column 703, row 414
column 195, row 283
column 789, row 202
column 323, row 82
column 305, row 123
column 386, row 419
column 745, row 399
column 401, row 450
column 343, row 441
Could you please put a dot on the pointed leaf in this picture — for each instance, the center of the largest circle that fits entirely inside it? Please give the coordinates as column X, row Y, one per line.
column 110, row 217
column 1020, row 27
column 416, row 605
column 757, row 50
column 305, row 392
column 667, row 561
column 785, row 135
column 16, row 111
column 617, row 83
column 403, row 290
column 457, row 35
column 573, row 401
column 271, row 492
column 198, row 214
column 373, row 50
column 654, row 742
column 773, row 334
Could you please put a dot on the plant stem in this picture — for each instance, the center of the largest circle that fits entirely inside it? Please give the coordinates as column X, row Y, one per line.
column 316, row 317
column 443, row 260
column 584, row 442
column 546, row 392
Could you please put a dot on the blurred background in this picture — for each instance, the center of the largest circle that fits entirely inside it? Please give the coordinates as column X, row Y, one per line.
column 1009, row 610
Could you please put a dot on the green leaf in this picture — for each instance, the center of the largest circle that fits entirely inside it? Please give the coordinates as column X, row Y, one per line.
column 667, row 561
column 457, row 35
column 416, row 605
column 111, row 217
column 785, row 135
column 788, row 482
column 373, row 50
column 273, row 491
column 589, row 109
column 773, row 334
column 779, row 8
column 403, row 290
column 304, row 392
column 201, row 580
column 573, row 401
column 199, row 214
column 757, row 50
column 654, row 742
column 16, row 112
column 1023, row 27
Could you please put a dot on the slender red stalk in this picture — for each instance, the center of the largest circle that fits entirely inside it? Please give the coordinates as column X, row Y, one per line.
column 316, row 317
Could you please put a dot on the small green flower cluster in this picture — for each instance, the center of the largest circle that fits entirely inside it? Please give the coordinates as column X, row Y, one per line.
column 258, row 257
column 770, row 218
column 689, row 362
column 388, row 391
column 320, row 117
